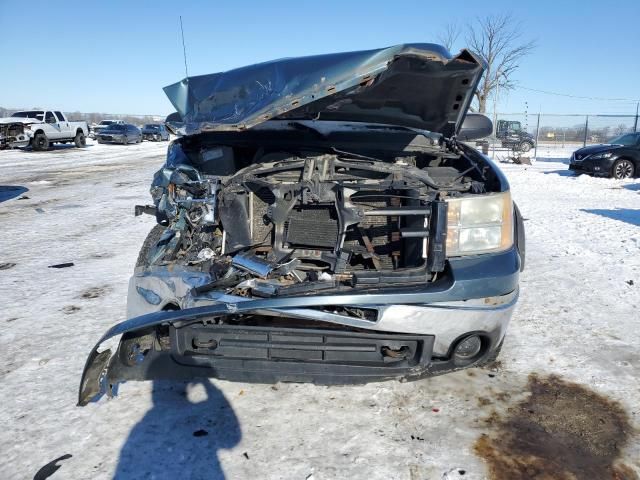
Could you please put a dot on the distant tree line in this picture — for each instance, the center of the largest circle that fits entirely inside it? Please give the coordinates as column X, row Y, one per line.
column 576, row 132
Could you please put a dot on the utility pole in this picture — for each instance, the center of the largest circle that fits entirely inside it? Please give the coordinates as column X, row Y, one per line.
column 586, row 131
column 535, row 152
column 495, row 113
column 635, row 124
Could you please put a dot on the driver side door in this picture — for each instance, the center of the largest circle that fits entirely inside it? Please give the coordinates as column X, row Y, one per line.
column 54, row 130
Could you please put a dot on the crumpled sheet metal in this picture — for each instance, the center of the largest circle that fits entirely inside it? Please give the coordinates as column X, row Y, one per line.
column 243, row 97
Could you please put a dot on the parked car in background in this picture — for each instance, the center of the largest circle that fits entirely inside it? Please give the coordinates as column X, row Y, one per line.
column 104, row 124
column 123, row 133
column 511, row 135
column 619, row 158
column 40, row 129
column 155, row 132
column 332, row 234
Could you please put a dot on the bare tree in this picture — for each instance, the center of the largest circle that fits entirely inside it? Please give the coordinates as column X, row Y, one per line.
column 450, row 36
column 621, row 128
column 498, row 41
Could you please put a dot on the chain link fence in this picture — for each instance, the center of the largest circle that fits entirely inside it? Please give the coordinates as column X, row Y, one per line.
column 554, row 135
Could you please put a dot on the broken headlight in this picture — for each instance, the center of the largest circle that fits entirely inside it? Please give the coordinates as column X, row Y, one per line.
column 479, row 224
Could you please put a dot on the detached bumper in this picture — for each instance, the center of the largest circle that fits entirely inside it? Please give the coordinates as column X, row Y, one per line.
column 406, row 335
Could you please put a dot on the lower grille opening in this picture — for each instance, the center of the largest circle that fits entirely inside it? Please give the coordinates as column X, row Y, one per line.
column 202, row 345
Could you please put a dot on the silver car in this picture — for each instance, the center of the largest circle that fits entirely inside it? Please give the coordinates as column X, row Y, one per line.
column 122, row 133
column 155, row 132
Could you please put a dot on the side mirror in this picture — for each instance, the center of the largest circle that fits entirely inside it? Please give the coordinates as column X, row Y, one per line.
column 474, row 127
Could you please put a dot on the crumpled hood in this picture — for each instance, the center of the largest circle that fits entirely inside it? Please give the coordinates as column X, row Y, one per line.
column 19, row 120
column 412, row 85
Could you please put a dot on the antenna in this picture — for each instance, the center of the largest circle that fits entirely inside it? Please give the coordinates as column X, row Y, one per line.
column 184, row 50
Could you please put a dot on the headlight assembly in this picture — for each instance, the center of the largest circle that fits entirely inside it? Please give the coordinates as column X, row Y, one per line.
column 601, row 155
column 479, row 224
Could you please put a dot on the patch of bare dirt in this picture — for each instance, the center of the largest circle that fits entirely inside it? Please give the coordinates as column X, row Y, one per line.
column 561, row 431
column 95, row 292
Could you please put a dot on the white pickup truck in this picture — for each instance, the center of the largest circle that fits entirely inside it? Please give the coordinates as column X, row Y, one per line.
column 41, row 128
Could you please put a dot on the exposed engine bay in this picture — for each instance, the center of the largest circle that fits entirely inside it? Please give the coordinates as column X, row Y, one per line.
column 12, row 134
column 281, row 221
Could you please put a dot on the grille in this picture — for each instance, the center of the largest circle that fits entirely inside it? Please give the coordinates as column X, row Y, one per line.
column 378, row 230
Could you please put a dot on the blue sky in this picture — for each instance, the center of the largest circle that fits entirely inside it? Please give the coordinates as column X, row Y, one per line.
column 115, row 56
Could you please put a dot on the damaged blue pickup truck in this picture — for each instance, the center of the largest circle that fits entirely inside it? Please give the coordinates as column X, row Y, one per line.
column 320, row 219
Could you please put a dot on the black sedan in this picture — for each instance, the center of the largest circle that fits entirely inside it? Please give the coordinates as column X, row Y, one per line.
column 620, row 158
column 123, row 133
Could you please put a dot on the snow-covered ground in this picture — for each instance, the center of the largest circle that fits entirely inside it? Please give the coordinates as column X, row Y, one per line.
column 578, row 318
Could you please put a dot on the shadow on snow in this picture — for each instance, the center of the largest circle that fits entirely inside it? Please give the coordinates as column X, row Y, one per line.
column 627, row 215
column 178, row 437
column 7, row 192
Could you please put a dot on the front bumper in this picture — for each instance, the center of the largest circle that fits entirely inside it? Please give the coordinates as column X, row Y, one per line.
column 110, row 138
column 19, row 141
column 300, row 338
column 598, row 167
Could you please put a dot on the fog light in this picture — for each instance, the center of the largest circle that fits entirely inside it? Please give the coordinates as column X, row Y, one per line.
column 468, row 348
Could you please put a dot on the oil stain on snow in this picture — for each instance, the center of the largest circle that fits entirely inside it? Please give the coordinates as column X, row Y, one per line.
column 561, row 431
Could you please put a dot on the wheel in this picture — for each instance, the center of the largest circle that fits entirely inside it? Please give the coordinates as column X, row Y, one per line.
column 525, row 147
column 125, row 140
column 149, row 243
column 622, row 168
column 100, row 141
column 80, row 140
column 492, row 357
column 40, row 142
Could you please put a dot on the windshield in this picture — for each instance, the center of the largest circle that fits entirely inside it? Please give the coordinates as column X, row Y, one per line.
column 38, row 114
column 152, row 127
column 628, row 140
column 106, row 122
column 116, row 127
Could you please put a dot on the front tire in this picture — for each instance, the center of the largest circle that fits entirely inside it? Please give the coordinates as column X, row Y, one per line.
column 125, row 140
column 525, row 147
column 149, row 243
column 80, row 140
column 40, row 142
column 622, row 169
